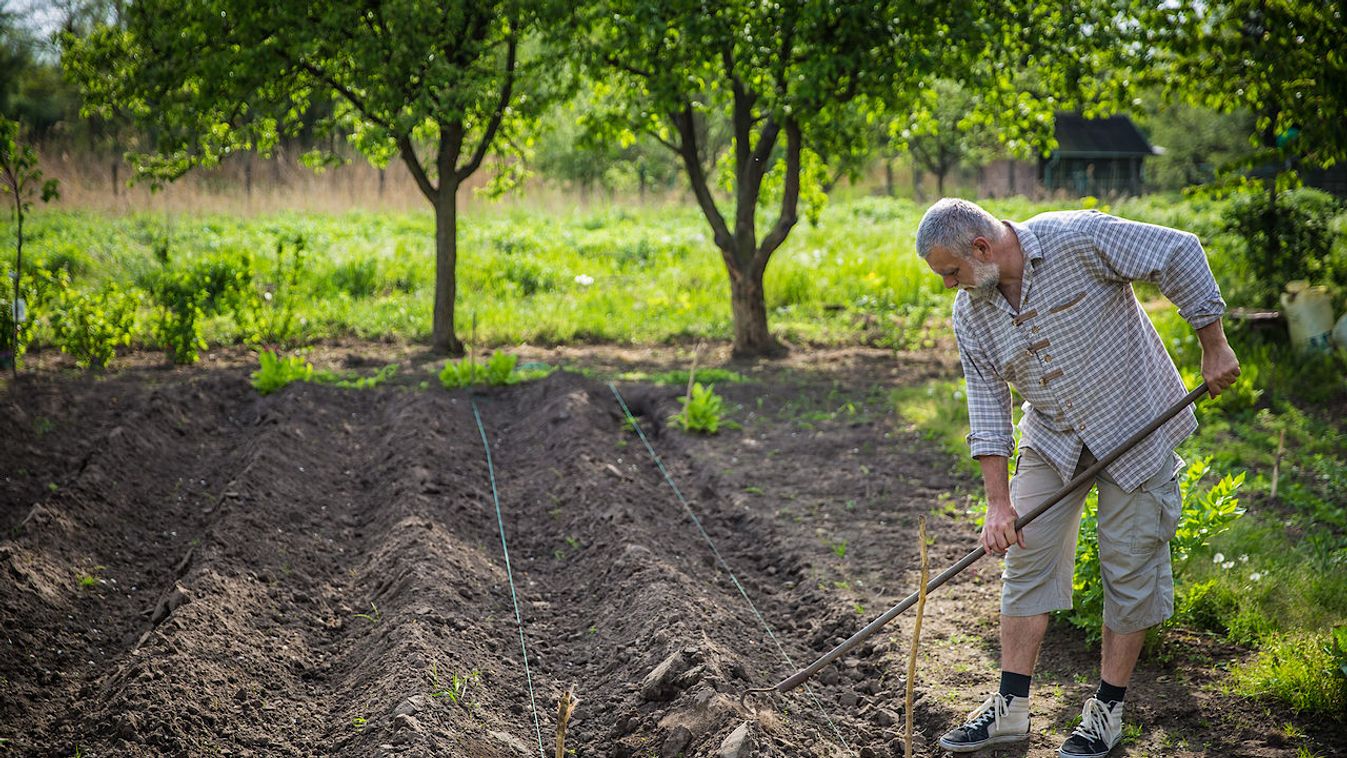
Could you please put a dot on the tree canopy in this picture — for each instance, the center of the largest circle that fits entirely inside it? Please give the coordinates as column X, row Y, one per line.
column 439, row 85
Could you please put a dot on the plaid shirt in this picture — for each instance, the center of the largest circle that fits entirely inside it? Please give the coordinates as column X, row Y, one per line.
column 1080, row 350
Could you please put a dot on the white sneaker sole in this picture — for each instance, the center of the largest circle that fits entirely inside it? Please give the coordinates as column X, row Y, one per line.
column 971, row 747
column 1063, row 754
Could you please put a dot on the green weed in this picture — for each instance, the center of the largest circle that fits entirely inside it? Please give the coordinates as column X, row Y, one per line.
column 1307, row 672
column 374, row 616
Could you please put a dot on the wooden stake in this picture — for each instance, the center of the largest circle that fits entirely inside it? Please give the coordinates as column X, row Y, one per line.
column 1277, row 462
column 916, row 636
column 564, row 707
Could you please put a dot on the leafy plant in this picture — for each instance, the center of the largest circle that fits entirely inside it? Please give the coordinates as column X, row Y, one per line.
column 90, row 325
column 276, row 372
column 499, row 370
column 701, row 410
column 1206, row 513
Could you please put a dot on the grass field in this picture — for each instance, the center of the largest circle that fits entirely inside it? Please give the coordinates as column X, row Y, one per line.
column 620, row 274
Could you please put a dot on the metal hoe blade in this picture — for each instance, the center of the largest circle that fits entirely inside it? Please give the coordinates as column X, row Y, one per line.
column 799, row 677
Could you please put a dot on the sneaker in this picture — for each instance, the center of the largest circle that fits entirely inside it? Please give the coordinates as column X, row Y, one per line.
column 1100, row 731
column 999, row 720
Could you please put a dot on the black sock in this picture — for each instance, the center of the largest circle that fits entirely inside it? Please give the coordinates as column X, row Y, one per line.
column 1108, row 693
column 1015, row 684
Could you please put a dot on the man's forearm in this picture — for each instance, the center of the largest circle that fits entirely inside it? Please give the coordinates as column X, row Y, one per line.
column 1211, row 336
column 995, row 479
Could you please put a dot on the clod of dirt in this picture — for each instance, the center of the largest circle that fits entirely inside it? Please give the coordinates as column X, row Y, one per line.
column 885, row 717
column 411, row 706
column 739, row 744
column 664, row 682
column 676, row 743
column 511, row 742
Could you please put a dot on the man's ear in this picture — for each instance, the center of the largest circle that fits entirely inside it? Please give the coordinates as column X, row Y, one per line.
column 982, row 249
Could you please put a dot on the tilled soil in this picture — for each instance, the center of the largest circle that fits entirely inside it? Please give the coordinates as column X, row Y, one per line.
column 192, row 569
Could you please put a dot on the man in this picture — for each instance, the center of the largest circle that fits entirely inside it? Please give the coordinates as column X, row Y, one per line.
column 1047, row 306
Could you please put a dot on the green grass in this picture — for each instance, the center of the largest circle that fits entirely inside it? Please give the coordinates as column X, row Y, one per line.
column 621, row 275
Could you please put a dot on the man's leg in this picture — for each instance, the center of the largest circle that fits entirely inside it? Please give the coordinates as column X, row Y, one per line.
column 1037, row 579
column 1021, row 637
column 1134, row 532
column 1119, row 656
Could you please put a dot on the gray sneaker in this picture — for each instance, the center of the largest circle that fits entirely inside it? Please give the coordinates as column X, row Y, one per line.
column 1100, row 730
column 999, row 720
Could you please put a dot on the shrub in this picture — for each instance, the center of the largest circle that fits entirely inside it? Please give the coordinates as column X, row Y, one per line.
column 90, row 325
column 1305, row 230
column 178, row 320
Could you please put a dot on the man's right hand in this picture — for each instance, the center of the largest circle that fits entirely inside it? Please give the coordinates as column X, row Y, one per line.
column 998, row 529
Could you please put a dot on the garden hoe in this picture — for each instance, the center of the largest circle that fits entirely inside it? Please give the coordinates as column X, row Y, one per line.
column 798, row 678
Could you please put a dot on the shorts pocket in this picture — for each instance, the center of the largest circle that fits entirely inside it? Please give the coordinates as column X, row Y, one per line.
column 1156, row 511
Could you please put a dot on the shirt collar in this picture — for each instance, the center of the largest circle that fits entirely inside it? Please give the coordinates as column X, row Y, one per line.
column 1033, row 252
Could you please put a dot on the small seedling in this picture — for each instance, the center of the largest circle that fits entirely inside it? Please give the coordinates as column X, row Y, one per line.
column 456, row 689
column 374, row 616
column 840, row 549
column 753, row 490
column 87, row 581
column 359, row 723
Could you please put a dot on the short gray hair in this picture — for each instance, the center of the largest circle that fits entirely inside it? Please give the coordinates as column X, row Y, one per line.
column 953, row 224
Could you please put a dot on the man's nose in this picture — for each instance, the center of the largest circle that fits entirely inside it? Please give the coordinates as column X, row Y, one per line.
column 950, row 282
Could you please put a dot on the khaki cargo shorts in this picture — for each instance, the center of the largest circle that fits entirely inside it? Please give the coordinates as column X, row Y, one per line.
column 1134, row 532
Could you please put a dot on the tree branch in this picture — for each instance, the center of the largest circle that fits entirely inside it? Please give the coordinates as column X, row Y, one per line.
column 496, row 116
column 697, row 176
column 410, row 158
column 790, row 200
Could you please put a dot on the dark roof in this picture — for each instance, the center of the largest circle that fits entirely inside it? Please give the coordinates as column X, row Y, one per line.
column 1114, row 136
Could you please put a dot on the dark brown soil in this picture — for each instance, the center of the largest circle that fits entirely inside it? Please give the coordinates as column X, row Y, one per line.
column 188, row 568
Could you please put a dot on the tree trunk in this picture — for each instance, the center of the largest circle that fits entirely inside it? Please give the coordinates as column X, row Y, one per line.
column 888, row 177
column 749, row 307
column 940, row 183
column 442, row 336
column 116, row 184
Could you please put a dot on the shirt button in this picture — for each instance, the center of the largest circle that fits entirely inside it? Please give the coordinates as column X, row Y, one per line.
column 1068, row 405
column 1047, row 359
column 1081, row 427
column 1033, row 329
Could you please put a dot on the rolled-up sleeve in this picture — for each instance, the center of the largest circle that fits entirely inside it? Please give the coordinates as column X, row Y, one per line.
column 990, row 428
column 1173, row 260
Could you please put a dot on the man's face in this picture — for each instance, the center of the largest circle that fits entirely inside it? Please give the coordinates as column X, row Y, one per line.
column 968, row 273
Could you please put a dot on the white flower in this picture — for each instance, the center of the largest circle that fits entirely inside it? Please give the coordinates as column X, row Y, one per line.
column 1255, row 576
column 584, row 280
column 1228, row 565
column 1244, row 558
column 1218, row 558
column 266, row 296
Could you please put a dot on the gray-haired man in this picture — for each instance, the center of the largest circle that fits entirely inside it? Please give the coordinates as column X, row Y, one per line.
column 1047, row 306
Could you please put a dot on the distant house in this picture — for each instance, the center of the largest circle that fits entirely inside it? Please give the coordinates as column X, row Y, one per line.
column 1093, row 157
